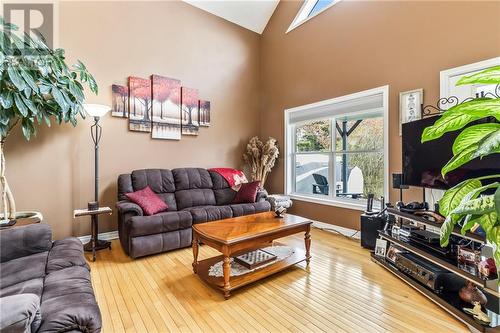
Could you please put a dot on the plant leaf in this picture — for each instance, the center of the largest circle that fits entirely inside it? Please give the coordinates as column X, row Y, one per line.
column 469, row 222
column 488, row 145
column 488, row 76
column 473, row 135
column 447, row 229
column 460, row 115
column 59, row 99
column 20, row 105
column 29, row 80
column 481, row 205
column 16, row 79
column 497, row 201
column 6, row 99
column 452, row 197
column 460, row 159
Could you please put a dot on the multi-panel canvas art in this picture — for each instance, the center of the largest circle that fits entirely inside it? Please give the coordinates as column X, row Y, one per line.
column 120, row 101
column 204, row 107
column 189, row 108
column 139, row 104
column 160, row 106
column 166, row 108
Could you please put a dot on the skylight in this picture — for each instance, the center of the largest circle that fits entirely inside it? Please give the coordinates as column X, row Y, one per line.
column 310, row 9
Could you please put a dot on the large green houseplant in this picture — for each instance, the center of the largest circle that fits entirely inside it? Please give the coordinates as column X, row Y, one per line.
column 36, row 86
column 477, row 200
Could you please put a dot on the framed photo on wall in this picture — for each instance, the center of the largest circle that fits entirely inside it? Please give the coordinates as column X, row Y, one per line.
column 410, row 106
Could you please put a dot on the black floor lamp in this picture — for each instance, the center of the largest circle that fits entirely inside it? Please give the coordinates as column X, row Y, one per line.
column 96, row 111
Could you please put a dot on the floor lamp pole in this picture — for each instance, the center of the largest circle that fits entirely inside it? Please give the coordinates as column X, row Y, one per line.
column 96, row 132
column 95, row 243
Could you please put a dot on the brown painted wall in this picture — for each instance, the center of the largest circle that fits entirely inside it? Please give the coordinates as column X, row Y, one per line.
column 54, row 172
column 358, row 45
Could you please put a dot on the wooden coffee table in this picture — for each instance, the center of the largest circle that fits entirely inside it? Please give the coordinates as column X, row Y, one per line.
column 238, row 235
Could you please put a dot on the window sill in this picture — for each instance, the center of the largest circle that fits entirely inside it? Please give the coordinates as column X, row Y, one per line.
column 331, row 202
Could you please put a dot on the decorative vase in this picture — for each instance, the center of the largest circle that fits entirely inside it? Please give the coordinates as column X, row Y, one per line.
column 27, row 216
column 470, row 294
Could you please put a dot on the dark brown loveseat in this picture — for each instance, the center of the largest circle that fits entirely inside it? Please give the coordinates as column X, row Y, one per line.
column 193, row 195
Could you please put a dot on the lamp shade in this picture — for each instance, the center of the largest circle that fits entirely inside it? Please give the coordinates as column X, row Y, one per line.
column 96, row 110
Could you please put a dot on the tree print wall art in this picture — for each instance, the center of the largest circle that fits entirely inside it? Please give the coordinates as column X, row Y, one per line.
column 139, row 104
column 204, row 107
column 120, row 101
column 189, row 108
column 161, row 106
column 166, row 108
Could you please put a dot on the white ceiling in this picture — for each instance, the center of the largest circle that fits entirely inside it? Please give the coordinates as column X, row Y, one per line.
column 250, row 14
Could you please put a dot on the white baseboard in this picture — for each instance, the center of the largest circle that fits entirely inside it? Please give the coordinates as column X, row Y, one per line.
column 342, row 230
column 320, row 225
column 104, row 236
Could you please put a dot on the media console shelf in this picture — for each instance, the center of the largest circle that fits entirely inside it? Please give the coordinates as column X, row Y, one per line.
column 448, row 301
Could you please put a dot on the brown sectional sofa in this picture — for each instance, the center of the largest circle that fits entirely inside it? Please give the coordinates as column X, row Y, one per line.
column 193, row 195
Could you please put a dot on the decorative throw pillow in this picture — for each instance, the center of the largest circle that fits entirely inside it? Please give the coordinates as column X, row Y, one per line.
column 247, row 193
column 148, row 200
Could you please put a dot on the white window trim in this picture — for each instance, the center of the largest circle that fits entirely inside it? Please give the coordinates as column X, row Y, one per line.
column 304, row 10
column 289, row 140
column 446, row 87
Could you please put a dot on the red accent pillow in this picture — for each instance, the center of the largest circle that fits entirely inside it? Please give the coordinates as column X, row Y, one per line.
column 247, row 193
column 148, row 200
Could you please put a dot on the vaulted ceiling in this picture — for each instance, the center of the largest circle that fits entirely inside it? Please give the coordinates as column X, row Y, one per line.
column 250, row 14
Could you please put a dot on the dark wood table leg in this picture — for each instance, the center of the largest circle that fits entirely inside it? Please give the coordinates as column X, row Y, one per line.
column 195, row 252
column 94, row 235
column 307, row 240
column 227, row 272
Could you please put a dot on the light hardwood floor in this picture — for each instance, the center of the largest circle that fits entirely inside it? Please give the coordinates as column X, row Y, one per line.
column 343, row 292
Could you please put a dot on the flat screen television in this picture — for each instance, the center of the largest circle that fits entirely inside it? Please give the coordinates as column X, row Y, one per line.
column 422, row 162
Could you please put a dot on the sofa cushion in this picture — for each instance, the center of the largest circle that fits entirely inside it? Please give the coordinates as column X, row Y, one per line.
column 209, row 213
column 195, row 197
column 22, row 269
column 148, row 201
column 224, row 196
column 33, row 286
column 23, row 241
column 20, row 313
column 218, row 181
column 66, row 253
column 68, row 302
column 152, row 244
column 159, row 223
column 160, row 180
column 247, row 193
column 250, row 208
column 191, row 178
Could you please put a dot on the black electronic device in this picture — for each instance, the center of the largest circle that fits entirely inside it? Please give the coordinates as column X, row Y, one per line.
column 370, row 225
column 411, row 207
column 422, row 162
column 425, row 236
column 430, row 275
column 369, row 202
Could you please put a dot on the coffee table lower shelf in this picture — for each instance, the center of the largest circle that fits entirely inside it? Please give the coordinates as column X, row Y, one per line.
column 203, row 267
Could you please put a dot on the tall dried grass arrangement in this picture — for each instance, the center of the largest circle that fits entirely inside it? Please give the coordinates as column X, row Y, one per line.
column 260, row 158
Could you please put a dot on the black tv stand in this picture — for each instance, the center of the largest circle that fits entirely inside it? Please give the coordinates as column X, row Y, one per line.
column 450, row 302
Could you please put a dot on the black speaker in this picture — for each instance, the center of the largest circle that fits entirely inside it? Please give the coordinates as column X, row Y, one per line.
column 370, row 224
column 397, row 180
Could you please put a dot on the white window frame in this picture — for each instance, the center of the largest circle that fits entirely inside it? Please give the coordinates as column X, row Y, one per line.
column 290, row 136
column 304, row 11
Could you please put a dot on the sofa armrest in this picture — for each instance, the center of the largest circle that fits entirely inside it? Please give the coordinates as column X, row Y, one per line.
column 20, row 313
column 23, row 241
column 126, row 206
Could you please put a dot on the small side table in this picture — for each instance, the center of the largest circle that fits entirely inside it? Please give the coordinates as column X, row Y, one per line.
column 95, row 244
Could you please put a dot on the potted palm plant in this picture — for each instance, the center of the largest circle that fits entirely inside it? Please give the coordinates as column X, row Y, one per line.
column 36, row 86
column 475, row 200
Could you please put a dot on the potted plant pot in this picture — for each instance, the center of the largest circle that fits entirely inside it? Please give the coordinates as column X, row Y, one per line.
column 25, row 217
